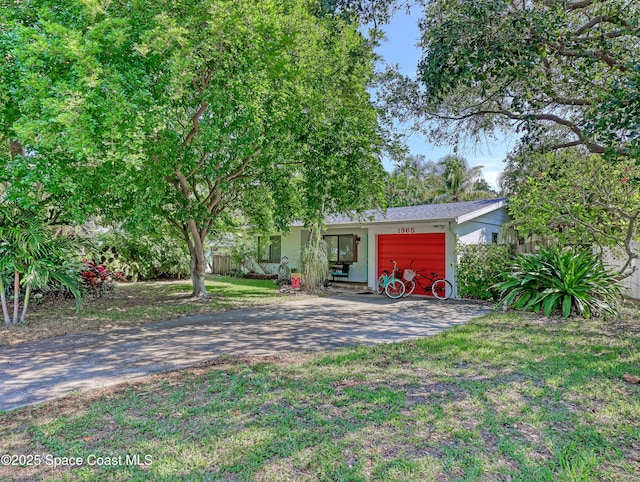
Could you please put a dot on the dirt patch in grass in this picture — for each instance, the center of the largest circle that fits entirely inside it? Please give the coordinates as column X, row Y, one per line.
column 131, row 304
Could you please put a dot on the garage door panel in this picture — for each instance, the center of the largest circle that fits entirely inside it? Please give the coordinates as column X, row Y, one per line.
column 428, row 252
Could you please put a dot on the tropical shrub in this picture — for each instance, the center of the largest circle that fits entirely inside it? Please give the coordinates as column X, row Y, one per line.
column 147, row 256
column 561, row 279
column 96, row 278
column 479, row 267
column 33, row 256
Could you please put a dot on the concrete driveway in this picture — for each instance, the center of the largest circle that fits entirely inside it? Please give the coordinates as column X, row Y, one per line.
column 38, row 371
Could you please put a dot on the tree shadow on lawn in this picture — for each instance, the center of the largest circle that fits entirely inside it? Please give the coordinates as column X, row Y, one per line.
column 132, row 304
column 470, row 403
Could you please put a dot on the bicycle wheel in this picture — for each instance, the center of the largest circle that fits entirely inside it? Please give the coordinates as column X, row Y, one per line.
column 381, row 282
column 409, row 286
column 395, row 289
column 442, row 289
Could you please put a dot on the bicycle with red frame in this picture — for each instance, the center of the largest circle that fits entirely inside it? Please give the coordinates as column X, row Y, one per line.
column 439, row 287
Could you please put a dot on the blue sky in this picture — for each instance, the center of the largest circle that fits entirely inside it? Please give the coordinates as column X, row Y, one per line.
column 400, row 48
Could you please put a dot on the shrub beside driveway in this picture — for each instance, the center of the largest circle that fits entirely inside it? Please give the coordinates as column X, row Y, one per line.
column 508, row 396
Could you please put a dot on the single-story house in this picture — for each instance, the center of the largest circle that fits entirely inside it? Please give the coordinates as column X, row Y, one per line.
column 424, row 235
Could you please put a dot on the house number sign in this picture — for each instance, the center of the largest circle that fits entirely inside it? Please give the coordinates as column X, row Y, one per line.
column 406, row 230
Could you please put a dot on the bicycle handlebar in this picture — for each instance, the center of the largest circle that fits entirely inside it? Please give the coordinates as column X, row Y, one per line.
column 421, row 272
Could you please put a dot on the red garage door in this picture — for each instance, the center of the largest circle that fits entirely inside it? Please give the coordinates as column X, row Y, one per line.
column 426, row 250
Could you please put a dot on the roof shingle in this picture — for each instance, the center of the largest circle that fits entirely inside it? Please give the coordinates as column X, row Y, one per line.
column 425, row 212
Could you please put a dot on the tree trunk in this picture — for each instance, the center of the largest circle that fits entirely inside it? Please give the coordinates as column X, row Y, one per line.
column 25, row 305
column 16, row 149
column 198, row 263
column 16, row 295
column 3, row 300
column 198, row 267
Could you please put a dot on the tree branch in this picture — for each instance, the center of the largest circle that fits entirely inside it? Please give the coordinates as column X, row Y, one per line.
column 593, row 147
column 203, row 158
column 214, row 197
column 183, row 185
column 600, row 19
column 571, row 6
column 631, row 255
column 555, row 147
column 574, row 102
column 196, row 123
column 610, row 61
column 194, row 190
column 243, row 166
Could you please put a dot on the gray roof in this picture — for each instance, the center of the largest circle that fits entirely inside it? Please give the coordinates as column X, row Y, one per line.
column 459, row 212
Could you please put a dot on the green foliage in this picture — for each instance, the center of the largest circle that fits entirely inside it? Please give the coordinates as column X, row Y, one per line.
column 459, row 182
column 561, row 279
column 479, row 267
column 144, row 256
column 561, row 73
column 196, row 108
column 573, row 198
column 417, row 181
column 407, row 183
column 34, row 256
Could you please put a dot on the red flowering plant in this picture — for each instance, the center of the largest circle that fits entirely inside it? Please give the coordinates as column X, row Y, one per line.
column 97, row 278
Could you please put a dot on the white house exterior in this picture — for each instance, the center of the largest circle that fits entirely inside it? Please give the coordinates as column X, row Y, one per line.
column 425, row 235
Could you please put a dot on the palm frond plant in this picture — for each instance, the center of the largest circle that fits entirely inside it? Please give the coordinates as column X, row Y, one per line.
column 458, row 182
column 561, row 279
column 34, row 256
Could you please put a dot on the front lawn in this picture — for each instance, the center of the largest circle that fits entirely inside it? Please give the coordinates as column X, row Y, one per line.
column 506, row 397
column 135, row 303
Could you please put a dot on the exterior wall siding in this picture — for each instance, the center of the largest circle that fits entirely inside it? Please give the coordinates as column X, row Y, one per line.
column 293, row 242
column 480, row 229
column 631, row 283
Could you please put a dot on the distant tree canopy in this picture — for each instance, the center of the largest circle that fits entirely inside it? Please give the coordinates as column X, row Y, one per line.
column 407, row 184
column 192, row 110
column 460, row 182
column 417, row 181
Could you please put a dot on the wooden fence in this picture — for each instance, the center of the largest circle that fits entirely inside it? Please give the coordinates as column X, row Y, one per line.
column 222, row 264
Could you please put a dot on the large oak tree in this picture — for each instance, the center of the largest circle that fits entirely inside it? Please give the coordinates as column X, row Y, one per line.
column 563, row 73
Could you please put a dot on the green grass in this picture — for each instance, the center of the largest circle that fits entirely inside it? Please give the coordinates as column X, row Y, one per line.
column 505, row 397
column 143, row 302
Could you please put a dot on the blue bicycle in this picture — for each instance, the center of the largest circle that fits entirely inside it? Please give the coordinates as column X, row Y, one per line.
column 390, row 284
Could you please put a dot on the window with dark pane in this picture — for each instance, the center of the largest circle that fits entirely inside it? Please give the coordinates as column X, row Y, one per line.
column 332, row 248
column 270, row 248
column 341, row 248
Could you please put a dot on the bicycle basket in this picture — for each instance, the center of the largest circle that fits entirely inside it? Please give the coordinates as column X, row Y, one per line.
column 409, row 274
